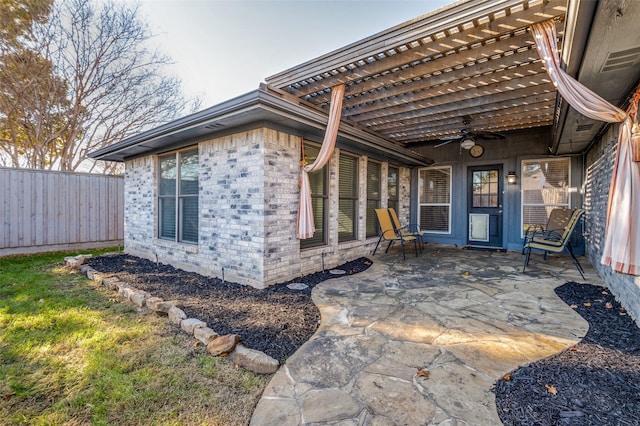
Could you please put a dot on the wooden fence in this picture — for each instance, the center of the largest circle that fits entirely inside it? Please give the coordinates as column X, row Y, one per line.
column 46, row 211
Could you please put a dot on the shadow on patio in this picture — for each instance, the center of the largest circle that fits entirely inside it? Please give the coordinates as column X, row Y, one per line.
column 423, row 341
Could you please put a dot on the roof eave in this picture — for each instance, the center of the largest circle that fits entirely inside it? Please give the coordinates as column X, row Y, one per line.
column 249, row 107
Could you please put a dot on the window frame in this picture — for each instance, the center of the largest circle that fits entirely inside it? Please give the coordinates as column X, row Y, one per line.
column 422, row 204
column 178, row 196
column 371, row 214
column 522, row 184
column 313, row 242
column 393, row 201
column 353, row 198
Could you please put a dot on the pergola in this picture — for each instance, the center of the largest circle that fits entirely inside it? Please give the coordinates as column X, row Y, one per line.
column 470, row 66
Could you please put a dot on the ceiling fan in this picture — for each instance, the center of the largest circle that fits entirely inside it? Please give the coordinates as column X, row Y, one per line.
column 467, row 137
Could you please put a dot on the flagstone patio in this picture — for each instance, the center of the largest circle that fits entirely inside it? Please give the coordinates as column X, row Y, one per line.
column 422, row 341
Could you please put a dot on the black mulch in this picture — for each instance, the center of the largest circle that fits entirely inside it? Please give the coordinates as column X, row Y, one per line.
column 596, row 382
column 275, row 320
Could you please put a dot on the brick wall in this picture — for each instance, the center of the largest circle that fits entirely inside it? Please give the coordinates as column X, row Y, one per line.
column 281, row 176
column 139, row 203
column 232, row 206
column 599, row 166
column 248, row 211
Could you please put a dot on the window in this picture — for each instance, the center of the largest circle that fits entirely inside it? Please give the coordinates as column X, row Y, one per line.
column 435, row 199
column 178, row 196
column 318, row 183
column 392, row 188
column 348, row 198
column 485, row 188
column 373, row 197
column 545, row 185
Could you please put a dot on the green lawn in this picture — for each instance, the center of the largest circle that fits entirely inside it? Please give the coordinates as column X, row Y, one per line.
column 73, row 353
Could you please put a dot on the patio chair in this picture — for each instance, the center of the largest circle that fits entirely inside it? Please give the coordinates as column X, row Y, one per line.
column 412, row 230
column 555, row 241
column 389, row 233
column 558, row 220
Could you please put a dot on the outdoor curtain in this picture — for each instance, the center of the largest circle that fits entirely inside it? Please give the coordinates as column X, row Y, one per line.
column 306, row 227
column 621, row 248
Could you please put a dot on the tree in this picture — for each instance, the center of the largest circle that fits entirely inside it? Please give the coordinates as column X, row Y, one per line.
column 18, row 16
column 113, row 83
column 30, row 94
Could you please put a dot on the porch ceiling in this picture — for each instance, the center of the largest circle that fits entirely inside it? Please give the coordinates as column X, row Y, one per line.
column 469, row 66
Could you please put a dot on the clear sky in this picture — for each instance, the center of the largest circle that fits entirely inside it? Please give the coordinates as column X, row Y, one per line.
column 226, row 48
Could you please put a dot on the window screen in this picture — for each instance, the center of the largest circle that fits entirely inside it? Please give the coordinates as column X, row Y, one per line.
column 348, row 198
column 435, row 199
column 545, row 185
column 373, row 197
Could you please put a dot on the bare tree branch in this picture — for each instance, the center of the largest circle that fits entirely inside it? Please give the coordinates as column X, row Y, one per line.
column 99, row 81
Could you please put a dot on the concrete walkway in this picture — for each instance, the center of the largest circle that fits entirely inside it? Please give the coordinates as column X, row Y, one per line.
column 422, row 342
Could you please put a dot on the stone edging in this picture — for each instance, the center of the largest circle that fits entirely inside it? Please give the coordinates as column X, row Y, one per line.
column 249, row 359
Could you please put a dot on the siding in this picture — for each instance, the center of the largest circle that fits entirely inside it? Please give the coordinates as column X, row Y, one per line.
column 45, row 211
column 599, row 167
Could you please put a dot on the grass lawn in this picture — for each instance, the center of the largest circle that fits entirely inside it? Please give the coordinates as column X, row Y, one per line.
column 73, row 353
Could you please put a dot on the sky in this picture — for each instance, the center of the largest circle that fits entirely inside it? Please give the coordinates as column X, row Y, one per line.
column 225, row 48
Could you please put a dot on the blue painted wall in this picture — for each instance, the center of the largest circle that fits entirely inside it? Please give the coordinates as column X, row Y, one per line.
column 518, row 146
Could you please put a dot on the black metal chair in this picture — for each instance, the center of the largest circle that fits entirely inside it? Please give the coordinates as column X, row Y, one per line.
column 554, row 240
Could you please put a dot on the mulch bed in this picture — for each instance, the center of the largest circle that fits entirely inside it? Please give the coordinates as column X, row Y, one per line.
column 596, row 382
column 276, row 320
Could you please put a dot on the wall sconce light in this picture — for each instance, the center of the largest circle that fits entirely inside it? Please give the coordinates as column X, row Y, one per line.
column 512, row 178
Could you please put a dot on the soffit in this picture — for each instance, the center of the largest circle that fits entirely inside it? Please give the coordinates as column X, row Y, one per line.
column 610, row 66
column 422, row 80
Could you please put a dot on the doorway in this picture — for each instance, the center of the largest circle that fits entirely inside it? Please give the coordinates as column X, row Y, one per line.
column 484, row 206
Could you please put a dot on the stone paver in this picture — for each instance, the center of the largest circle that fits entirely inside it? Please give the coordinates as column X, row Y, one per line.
column 463, row 318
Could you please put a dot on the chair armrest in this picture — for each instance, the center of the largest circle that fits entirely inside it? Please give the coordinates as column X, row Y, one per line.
column 532, row 229
column 414, row 227
column 552, row 235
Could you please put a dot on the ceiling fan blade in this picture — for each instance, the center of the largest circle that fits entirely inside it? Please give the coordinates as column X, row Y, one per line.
column 445, row 142
column 490, row 136
column 450, row 137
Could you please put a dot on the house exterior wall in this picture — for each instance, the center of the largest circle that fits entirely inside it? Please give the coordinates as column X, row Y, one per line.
column 508, row 153
column 336, row 253
column 598, row 168
column 248, row 203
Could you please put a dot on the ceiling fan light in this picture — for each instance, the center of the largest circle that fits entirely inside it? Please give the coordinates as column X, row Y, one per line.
column 467, row 143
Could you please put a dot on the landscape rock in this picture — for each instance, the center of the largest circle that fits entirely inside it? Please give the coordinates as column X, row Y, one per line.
column 111, row 283
column 138, row 298
column 77, row 261
column 176, row 315
column 84, row 268
column 253, row 360
column 165, row 305
column 152, row 302
column 97, row 277
column 90, row 272
column 126, row 291
column 204, row 335
column 223, row 344
column 190, row 324
column 73, row 263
